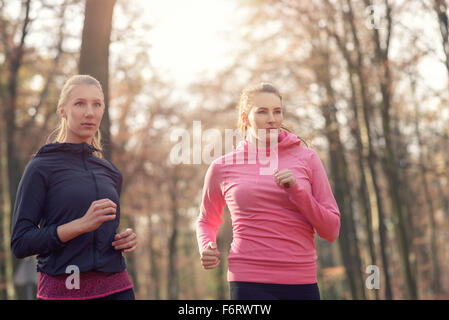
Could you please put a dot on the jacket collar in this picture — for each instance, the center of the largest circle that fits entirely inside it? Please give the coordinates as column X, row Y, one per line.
column 75, row 148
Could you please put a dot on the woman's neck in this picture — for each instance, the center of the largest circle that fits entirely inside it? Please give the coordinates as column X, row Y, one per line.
column 71, row 139
column 264, row 144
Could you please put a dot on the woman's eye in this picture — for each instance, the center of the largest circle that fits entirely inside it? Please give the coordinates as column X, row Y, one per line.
column 79, row 103
column 97, row 104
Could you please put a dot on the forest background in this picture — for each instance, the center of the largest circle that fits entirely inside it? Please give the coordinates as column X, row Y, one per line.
column 365, row 83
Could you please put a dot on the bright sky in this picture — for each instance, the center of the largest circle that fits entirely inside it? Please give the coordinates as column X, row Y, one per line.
column 189, row 37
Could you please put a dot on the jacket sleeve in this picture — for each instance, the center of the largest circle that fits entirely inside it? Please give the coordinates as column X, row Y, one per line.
column 119, row 184
column 318, row 207
column 211, row 210
column 27, row 238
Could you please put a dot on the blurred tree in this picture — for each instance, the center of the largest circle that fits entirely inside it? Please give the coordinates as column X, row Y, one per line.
column 440, row 7
column 94, row 56
column 14, row 49
column 340, row 175
column 29, row 88
column 382, row 61
column 338, row 92
column 361, row 129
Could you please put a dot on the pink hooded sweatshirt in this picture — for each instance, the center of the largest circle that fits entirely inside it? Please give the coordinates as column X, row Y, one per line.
column 273, row 227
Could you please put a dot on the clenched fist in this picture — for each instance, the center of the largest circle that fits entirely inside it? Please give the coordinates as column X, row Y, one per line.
column 209, row 256
column 284, row 178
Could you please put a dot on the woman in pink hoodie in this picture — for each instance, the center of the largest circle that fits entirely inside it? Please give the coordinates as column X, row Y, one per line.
column 278, row 195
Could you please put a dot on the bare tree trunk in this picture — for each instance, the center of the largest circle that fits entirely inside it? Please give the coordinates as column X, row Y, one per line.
column 365, row 124
column 223, row 242
column 49, row 79
column 132, row 266
column 394, row 190
column 7, row 263
column 363, row 171
column 172, row 280
column 440, row 7
column 94, row 56
column 219, row 273
column 348, row 237
column 154, row 258
column 436, row 278
column 390, row 167
column 362, row 133
column 12, row 164
column 443, row 198
column 356, row 130
column 15, row 57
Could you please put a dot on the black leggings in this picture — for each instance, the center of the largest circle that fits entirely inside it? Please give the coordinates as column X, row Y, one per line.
column 122, row 295
column 270, row 291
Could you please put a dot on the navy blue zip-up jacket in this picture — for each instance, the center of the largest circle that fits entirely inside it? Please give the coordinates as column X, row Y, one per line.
column 58, row 186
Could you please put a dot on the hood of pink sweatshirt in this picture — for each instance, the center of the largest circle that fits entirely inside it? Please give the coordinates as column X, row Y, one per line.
column 285, row 140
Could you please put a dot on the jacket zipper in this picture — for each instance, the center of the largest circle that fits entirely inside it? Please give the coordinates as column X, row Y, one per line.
column 96, row 198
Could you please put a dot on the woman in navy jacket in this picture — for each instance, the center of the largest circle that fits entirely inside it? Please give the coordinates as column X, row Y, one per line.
column 67, row 208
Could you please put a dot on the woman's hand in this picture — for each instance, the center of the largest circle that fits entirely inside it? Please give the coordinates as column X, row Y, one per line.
column 126, row 241
column 284, row 178
column 209, row 256
column 99, row 212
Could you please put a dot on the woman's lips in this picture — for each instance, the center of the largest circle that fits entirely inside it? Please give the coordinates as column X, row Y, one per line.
column 88, row 125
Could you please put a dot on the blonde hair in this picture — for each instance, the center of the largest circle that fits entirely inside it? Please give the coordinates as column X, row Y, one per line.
column 244, row 105
column 60, row 132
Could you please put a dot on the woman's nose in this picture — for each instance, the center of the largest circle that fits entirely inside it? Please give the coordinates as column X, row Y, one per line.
column 89, row 110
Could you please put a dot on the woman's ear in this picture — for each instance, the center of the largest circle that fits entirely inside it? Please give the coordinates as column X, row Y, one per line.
column 244, row 118
column 62, row 112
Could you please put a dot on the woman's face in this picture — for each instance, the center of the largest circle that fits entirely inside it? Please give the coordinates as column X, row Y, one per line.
column 265, row 116
column 83, row 112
